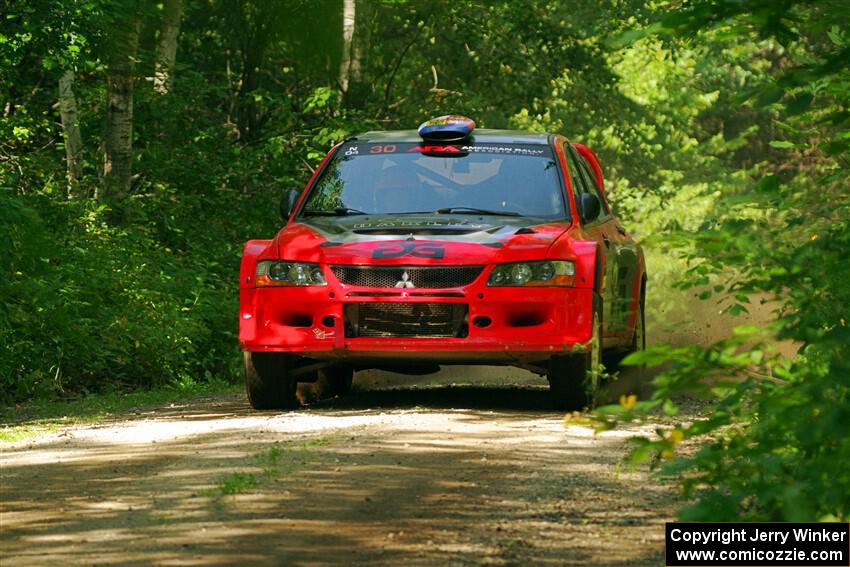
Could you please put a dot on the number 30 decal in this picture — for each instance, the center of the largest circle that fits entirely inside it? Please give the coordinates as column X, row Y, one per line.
column 388, row 149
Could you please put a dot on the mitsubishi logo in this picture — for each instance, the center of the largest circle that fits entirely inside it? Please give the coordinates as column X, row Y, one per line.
column 405, row 281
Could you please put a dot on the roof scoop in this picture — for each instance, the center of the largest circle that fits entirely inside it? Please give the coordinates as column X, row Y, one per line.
column 449, row 128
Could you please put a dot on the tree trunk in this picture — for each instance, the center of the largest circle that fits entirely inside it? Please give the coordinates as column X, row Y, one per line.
column 118, row 141
column 71, row 132
column 362, row 37
column 348, row 24
column 166, row 47
column 255, row 27
column 356, row 37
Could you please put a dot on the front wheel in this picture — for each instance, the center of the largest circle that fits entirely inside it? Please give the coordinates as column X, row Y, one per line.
column 339, row 379
column 574, row 379
column 268, row 380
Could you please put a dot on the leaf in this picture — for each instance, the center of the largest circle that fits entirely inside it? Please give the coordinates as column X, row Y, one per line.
column 768, row 184
column 650, row 357
column 625, row 39
column 746, row 330
column 609, row 410
column 836, row 36
column 782, row 144
column 736, row 309
column 769, row 96
column 799, row 104
column 835, row 148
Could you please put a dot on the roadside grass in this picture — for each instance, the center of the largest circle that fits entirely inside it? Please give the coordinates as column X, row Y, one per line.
column 237, row 483
column 281, row 460
column 29, row 421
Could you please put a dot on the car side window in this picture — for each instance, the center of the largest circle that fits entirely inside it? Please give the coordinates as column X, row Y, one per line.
column 575, row 176
column 588, row 180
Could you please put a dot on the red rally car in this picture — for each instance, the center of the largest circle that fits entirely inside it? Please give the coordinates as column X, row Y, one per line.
column 446, row 245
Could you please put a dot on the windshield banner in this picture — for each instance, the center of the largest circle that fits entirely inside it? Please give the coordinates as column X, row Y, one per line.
column 453, row 150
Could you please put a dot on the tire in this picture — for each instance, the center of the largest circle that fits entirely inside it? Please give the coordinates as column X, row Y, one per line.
column 339, row 380
column 638, row 344
column 574, row 379
column 639, row 338
column 267, row 380
column 613, row 360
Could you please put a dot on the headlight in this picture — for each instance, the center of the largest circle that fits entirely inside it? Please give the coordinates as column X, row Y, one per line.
column 549, row 273
column 274, row 273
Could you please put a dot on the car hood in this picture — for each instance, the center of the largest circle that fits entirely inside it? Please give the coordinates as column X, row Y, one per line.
column 417, row 239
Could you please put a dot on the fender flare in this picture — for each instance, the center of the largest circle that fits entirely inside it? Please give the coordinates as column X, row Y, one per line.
column 590, row 264
column 253, row 249
column 599, row 271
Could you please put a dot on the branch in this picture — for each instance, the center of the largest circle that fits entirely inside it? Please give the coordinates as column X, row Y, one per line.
column 305, row 162
column 396, row 68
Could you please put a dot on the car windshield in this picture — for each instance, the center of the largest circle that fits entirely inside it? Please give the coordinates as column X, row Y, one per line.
column 382, row 178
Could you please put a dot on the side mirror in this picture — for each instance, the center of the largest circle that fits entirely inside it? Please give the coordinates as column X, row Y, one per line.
column 589, row 207
column 287, row 203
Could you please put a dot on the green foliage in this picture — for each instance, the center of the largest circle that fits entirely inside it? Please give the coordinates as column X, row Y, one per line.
column 237, row 483
column 778, row 430
column 89, row 306
column 280, row 460
column 141, row 293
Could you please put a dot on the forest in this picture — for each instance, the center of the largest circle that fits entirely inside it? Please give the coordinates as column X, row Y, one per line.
column 142, row 143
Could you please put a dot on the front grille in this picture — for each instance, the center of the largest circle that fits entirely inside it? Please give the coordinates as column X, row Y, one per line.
column 406, row 320
column 417, row 276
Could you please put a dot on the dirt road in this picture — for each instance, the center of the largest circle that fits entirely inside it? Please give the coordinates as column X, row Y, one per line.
column 437, row 474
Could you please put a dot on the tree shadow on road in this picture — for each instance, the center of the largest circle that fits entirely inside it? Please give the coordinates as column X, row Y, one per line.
column 444, row 397
column 421, row 487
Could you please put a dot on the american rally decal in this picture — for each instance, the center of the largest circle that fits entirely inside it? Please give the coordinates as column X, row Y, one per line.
column 362, row 149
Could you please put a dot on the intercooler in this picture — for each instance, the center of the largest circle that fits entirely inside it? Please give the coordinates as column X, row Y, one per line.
column 406, row 320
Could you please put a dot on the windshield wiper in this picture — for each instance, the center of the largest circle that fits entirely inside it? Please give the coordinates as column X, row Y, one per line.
column 339, row 212
column 461, row 210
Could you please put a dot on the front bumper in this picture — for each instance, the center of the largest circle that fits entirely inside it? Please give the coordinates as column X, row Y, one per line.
column 527, row 324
